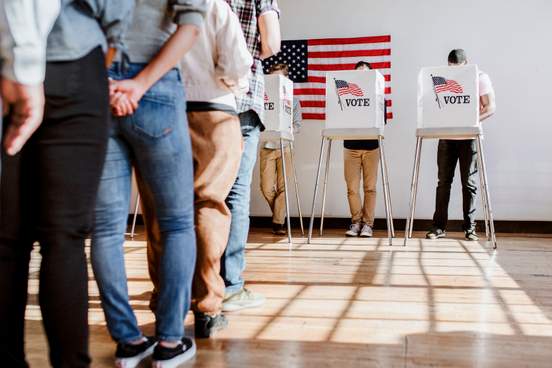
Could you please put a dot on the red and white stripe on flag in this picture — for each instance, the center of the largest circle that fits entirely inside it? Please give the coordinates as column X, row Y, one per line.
column 335, row 54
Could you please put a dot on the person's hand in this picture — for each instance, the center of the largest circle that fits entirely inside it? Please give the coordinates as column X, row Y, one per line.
column 125, row 96
column 26, row 106
column 121, row 104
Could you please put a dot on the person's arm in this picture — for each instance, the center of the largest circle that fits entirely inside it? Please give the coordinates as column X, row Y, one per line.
column 233, row 64
column 24, row 27
column 269, row 28
column 297, row 116
column 188, row 14
column 487, row 106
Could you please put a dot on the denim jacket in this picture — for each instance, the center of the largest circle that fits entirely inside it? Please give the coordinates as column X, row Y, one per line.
column 83, row 25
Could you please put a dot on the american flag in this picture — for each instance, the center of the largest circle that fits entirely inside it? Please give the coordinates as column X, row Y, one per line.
column 345, row 88
column 446, row 85
column 309, row 60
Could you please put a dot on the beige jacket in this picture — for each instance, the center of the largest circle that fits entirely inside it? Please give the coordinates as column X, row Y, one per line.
column 216, row 69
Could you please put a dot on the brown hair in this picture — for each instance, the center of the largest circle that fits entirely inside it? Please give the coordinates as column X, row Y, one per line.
column 280, row 67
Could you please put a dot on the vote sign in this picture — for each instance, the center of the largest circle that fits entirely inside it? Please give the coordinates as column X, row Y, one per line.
column 278, row 104
column 448, row 97
column 355, row 99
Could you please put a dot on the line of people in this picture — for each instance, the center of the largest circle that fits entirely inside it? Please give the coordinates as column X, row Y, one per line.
column 170, row 89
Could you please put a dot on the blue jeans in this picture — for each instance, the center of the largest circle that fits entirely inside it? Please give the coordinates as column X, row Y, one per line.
column 155, row 140
column 233, row 261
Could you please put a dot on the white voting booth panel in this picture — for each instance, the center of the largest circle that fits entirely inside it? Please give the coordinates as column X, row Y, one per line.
column 448, row 97
column 355, row 100
column 278, row 103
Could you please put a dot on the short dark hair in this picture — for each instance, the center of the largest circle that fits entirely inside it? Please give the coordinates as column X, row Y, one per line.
column 280, row 67
column 363, row 63
column 457, row 56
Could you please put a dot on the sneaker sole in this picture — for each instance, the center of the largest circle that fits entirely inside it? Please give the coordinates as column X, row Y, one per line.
column 232, row 307
column 135, row 360
column 436, row 237
column 177, row 360
column 366, row 235
column 351, row 235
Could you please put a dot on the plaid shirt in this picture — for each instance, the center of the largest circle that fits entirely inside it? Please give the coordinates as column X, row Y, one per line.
column 249, row 11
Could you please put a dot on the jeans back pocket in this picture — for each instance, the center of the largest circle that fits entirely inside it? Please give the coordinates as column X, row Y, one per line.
column 156, row 116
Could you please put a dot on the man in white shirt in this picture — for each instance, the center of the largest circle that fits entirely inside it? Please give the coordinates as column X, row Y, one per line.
column 464, row 151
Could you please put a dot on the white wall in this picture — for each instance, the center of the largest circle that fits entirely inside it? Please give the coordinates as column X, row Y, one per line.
column 510, row 40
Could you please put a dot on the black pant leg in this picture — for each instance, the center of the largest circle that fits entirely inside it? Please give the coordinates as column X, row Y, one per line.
column 467, row 151
column 70, row 153
column 15, row 247
column 447, row 156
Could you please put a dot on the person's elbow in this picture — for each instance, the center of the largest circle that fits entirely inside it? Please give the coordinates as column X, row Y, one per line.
column 269, row 28
column 270, row 48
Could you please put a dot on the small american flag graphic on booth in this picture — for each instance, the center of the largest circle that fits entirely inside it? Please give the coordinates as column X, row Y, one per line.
column 310, row 60
column 346, row 88
column 446, row 85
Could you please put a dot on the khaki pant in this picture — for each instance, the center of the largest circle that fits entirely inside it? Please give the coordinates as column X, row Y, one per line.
column 272, row 181
column 216, row 148
column 363, row 162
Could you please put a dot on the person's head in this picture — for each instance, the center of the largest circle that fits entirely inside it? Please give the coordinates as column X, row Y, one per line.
column 457, row 57
column 363, row 65
column 281, row 69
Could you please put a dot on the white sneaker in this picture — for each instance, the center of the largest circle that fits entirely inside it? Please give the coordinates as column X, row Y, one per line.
column 366, row 232
column 354, row 230
column 241, row 300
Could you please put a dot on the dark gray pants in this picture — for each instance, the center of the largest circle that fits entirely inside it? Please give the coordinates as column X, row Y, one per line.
column 449, row 153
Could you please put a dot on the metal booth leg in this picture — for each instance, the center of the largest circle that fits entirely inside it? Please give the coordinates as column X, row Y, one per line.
column 292, row 152
column 136, row 206
column 311, row 223
column 486, row 192
column 282, row 151
column 413, row 190
column 382, row 148
column 328, row 157
column 483, row 198
column 385, row 183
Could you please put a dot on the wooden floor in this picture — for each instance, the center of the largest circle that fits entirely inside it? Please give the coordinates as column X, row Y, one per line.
column 360, row 303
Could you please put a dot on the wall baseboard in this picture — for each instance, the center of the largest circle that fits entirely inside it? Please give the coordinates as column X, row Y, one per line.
column 507, row 227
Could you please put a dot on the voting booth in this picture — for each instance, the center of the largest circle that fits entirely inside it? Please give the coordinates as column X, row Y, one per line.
column 278, row 122
column 355, row 109
column 355, row 100
column 278, row 106
column 448, row 108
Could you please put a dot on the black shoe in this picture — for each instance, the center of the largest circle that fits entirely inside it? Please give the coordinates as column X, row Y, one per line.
column 436, row 234
column 278, row 229
column 206, row 325
column 129, row 355
column 471, row 235
column 164, row 357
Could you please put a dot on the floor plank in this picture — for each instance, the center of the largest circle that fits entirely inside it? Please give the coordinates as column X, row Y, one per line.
column 354, row 302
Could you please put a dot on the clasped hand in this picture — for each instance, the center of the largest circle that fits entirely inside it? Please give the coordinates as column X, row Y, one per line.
column 124, row 96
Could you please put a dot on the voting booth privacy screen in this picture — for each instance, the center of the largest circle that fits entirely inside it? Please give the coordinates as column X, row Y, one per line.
column 355, row 99
column 278, row 103
column 448, row 97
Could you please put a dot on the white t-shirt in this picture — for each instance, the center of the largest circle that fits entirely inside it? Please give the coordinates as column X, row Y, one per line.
column 485, row 84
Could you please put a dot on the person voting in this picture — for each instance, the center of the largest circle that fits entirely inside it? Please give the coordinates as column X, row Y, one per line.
column 450, row 152
column 361, row 159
